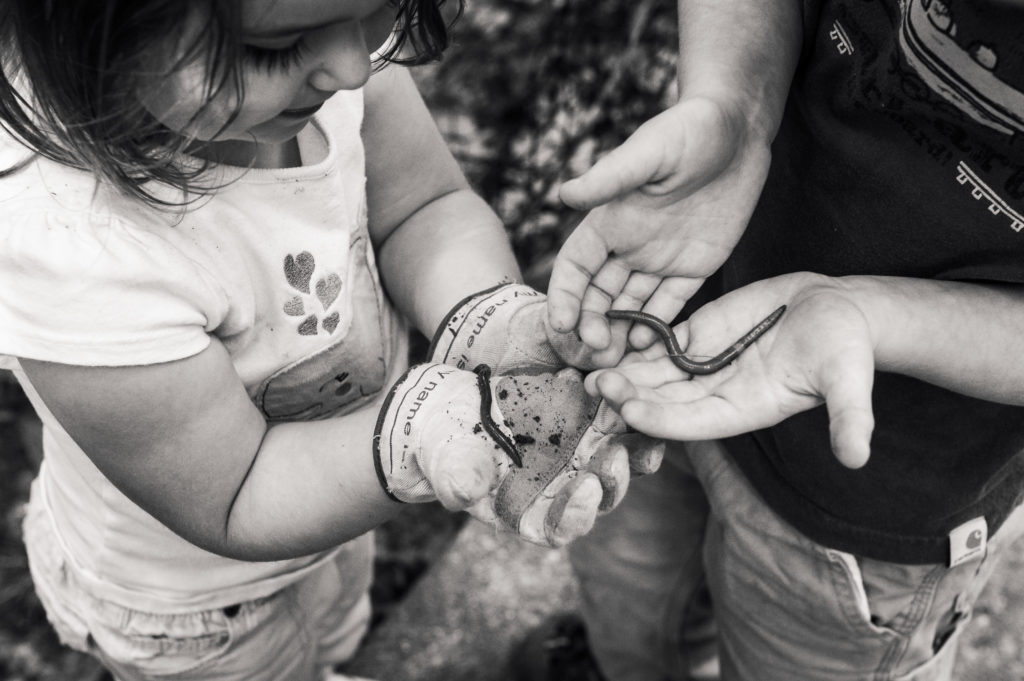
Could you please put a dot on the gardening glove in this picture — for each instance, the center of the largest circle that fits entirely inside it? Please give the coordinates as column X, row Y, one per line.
column 506, row 328
column 442, row 434
column 574, row 450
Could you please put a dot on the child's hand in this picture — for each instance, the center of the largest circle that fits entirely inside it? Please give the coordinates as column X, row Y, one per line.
column 506, row 328
column 678, row 194
column 821, row 350
column 572, row 447
column 540, row 460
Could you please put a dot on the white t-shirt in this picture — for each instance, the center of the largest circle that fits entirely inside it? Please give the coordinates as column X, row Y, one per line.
column 277, row 265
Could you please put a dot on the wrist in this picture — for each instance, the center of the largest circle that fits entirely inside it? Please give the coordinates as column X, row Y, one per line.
column 743, row 53
column 735, row 112
column 887, row 305
column 398, row 432
column 476, row 331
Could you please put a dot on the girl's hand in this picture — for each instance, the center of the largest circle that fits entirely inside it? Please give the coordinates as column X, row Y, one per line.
column 506, row 327
column 531, row 454
column 677, row 196
column 821, row 350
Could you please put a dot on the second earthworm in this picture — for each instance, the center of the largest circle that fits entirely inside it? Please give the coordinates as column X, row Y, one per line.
column 675, row 353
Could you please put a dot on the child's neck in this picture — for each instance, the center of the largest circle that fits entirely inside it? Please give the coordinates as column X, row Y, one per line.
column 250, row 155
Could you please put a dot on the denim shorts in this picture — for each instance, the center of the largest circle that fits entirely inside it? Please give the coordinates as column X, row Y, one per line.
column 292, row 634
column 693, row 565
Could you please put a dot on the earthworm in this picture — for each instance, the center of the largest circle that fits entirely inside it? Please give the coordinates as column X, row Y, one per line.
column 483, row 379
column 675, row 353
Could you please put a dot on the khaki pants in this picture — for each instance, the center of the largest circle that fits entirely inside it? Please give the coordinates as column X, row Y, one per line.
column 784, row 607
column 294, row 634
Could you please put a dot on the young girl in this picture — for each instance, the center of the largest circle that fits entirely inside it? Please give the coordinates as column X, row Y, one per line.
column 189, row 295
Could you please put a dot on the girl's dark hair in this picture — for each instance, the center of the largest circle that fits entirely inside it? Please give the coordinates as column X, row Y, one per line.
column 70, row 71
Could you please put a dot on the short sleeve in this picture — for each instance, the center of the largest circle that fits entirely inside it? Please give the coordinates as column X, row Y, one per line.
column 96, row 292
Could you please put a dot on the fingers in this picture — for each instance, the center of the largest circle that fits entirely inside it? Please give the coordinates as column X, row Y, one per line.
column 620, row 457
column 664, row 302
column 635, row 163
column 630, row 165
column 603, row 288
column 610, row 463
column 597, row 489
column 677, row 409
column 464, row 474
column 616, row 285
column 703, row 420
column 630, row 292
column 645, row 453
column 580, row 258
column 573, row 510
column 622, row 383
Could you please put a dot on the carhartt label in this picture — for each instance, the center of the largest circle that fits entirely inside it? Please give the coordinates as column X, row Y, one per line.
column 967, row 542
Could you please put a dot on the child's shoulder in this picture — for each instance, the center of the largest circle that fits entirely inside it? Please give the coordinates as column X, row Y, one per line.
column 46, row 193
column 42, row 188
column 57, row 219
column 87, row 277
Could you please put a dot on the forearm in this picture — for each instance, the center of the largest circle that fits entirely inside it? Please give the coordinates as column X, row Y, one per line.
column 449, row 249
column 185, row 442
column 743, row 50
column 311, row 486
column 436, row 241
column 965, row 337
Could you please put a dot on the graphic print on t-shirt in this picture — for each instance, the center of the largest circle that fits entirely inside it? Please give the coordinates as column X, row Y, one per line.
column 352, row 369
column 950, row 75
column 299, row 270
column 973, row 62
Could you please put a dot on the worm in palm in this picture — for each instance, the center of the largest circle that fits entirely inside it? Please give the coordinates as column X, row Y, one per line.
column 675, row 353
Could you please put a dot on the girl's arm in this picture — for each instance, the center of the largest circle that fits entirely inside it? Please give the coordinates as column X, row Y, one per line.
column 437, row 241
column 184, row 441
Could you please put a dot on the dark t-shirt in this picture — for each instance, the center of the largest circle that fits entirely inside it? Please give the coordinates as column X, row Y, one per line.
column 901, row 153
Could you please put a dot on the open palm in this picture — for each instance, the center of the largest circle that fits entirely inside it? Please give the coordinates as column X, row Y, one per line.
column 672, row 201
column 821, row 350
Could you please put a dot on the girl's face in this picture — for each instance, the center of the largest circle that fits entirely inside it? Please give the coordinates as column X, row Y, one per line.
column 297, row 53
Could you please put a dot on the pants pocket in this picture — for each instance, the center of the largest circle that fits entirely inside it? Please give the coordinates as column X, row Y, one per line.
column 919, row 609
column 160, row 645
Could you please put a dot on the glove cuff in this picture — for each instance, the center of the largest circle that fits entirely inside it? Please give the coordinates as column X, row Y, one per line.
column 386, row 421
column 424, row 399
column 398, row 433
column 464, row 338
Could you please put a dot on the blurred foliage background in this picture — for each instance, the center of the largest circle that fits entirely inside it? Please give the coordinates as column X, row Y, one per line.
column 530, row 94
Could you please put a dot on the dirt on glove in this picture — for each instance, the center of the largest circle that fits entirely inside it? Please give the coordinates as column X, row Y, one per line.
column 548, row 415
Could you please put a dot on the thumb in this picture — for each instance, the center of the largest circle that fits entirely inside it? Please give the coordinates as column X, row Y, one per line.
column 625, row 168
column 461, row 470
column 847, row 395
column 645, row 453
